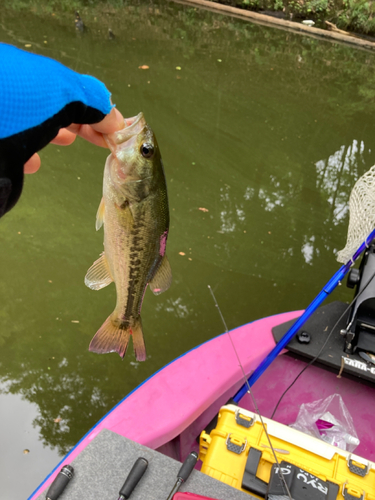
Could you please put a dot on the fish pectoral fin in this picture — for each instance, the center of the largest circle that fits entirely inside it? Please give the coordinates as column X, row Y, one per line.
column 163, row 277
column 113, row 337
column 99, row 275
column 100, row 215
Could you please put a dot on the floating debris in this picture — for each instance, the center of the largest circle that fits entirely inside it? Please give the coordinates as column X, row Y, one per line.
column 79, row 23
column 144, row 67
column 203, row 209
column 181, row 253
column 26, row 451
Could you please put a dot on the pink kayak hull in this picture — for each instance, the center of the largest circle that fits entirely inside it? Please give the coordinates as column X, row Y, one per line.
column 180, row 399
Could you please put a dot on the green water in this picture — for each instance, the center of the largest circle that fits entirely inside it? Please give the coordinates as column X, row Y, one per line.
column 265, row 130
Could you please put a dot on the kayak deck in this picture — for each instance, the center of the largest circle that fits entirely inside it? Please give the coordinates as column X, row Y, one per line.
column 101, row 469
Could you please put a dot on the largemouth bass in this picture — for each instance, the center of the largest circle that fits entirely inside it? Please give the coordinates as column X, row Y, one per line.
column 135, row 215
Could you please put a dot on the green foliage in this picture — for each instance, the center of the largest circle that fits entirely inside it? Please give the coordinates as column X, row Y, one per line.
column 251, row 4
column 355, row 16
column 279, row 5
column 351, row 15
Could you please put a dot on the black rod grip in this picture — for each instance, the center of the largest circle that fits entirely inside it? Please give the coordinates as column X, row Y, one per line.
column 134, row 476
column 59, row 483
column 188, row 466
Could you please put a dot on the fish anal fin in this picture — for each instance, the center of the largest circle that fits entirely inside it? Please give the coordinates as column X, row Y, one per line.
column 113, row 336
column 99, row 275
column 163, row 277
column 100, row 215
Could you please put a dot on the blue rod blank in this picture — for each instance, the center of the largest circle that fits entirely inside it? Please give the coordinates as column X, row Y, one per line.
column 329, row 287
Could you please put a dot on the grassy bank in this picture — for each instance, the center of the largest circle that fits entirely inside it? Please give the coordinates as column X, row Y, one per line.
column 355, row 16
column 350, row 15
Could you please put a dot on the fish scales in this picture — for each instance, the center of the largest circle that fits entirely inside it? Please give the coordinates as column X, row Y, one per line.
column 134, row 212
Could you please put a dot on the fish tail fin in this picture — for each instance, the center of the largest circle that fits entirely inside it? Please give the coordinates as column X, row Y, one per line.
column 115, row 338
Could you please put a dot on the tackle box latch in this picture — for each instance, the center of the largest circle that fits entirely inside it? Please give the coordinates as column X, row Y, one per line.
column 243, row 420
column 358, row 468
column 351, row 493
column 235, row 444
column 249, row 481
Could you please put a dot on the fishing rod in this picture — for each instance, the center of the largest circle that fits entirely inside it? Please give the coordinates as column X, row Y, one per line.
column 248, row 389
column 311, row 308
column 312, row 361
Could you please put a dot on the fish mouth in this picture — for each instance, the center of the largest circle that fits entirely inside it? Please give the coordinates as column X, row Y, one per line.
column 135, row 120
column 122, row 145
column 133, row 127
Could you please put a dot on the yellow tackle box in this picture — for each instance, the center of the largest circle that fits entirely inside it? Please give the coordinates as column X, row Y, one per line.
column 237, row 452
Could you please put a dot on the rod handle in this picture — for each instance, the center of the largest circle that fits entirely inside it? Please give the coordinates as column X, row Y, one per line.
column 134, row 476
column 60, row 482
column 188, row 466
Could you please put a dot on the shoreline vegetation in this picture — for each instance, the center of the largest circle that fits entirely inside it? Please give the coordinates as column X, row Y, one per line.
column 349, row 21
column 350, row 16
column 298, row 26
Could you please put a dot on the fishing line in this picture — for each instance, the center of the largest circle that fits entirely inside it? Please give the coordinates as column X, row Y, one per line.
column 249, row 391
column 324, row 344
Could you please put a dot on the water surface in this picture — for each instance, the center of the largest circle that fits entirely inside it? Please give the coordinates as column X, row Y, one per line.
column 263, row 134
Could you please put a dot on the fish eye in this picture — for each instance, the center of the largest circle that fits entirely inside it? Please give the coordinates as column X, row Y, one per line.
column 147, row 150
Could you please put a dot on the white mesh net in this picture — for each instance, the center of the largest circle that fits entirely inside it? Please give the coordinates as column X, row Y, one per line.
column 361, row 214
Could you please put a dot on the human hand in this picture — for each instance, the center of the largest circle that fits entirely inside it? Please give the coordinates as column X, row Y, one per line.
column 43, row 101
column 91, row 133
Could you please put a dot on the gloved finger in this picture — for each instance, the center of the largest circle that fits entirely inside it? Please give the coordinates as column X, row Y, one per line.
column 64, row 137
column 93, row 133
column 111, row 123
column 88, row 133
column 32, row 165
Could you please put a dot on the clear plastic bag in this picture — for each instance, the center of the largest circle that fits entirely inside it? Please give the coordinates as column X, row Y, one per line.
column 328, row 419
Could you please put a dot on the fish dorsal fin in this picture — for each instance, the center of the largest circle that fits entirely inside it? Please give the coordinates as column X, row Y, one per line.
column 100, row 215
column 99, row 275
column 163, row 277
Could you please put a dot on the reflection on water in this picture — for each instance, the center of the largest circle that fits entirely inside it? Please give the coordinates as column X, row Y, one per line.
column 20, row 445
column 338, row 174
column 263, row 134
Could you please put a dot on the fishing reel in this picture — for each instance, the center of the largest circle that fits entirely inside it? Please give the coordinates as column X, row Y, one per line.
column 360, row 330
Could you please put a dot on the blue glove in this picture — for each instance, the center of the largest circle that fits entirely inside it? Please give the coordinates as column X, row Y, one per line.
column 38, row 97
